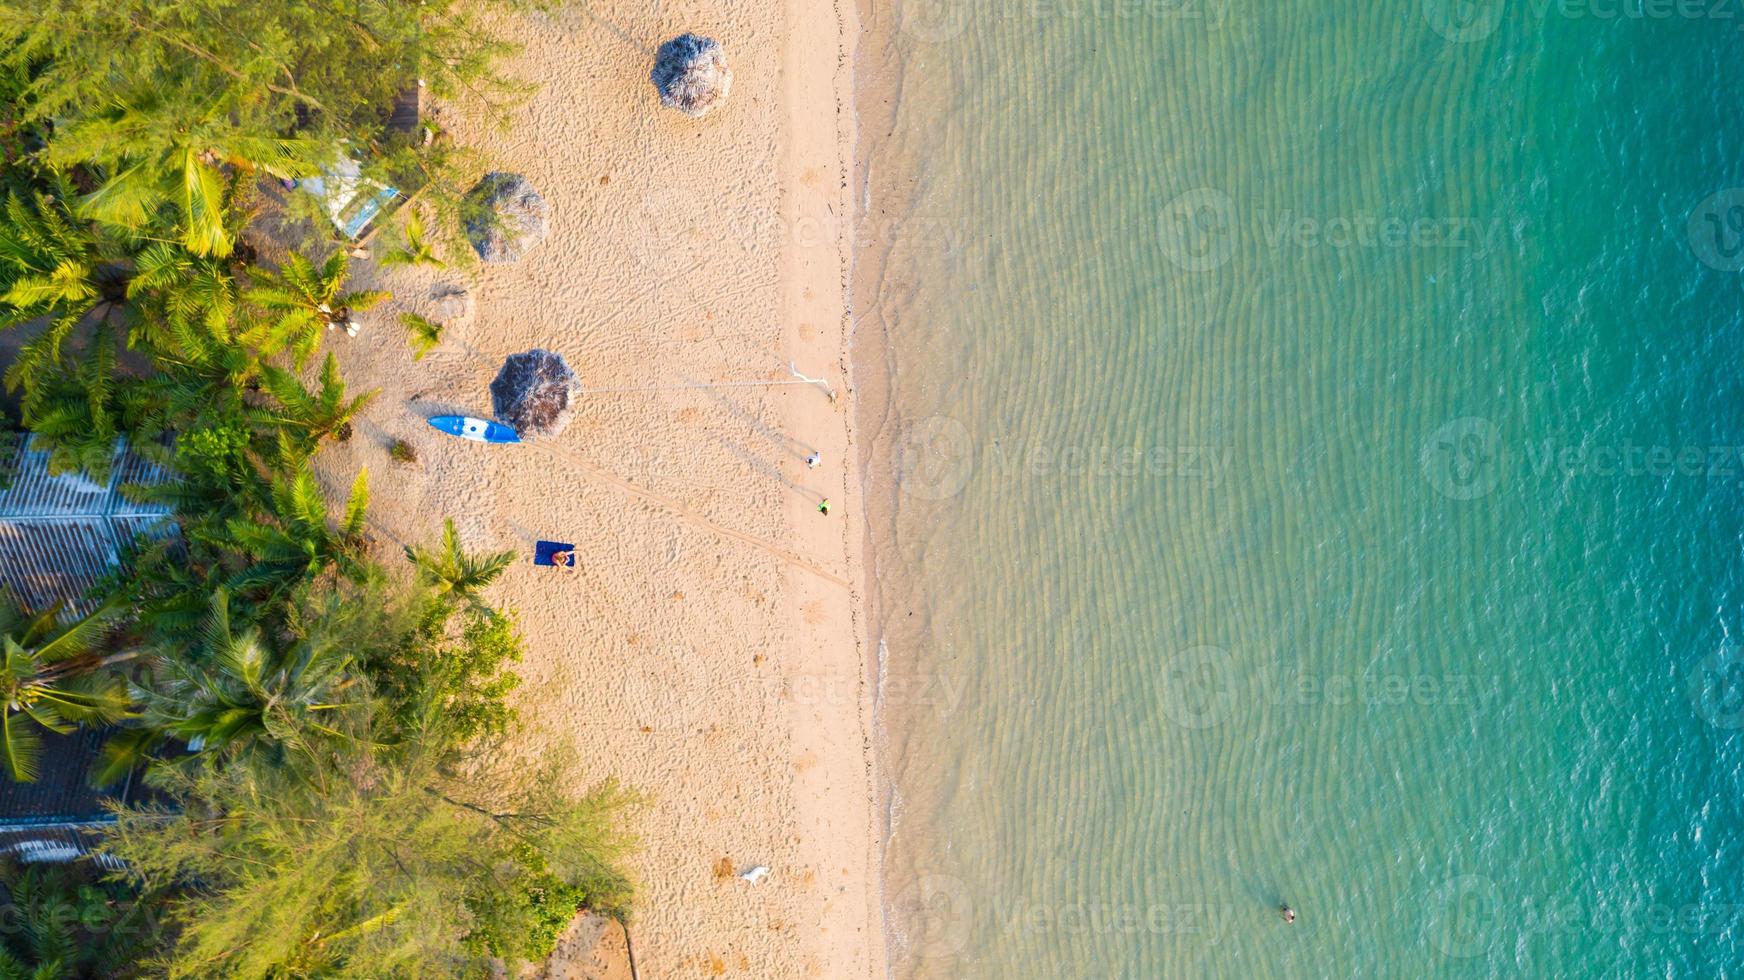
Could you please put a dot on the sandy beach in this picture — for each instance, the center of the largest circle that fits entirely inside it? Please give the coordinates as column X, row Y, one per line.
column 710, row 650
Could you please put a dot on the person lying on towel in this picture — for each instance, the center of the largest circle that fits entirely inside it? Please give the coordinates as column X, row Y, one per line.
column 554, row 553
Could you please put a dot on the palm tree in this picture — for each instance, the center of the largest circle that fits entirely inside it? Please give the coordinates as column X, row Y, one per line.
column 324, row 413
column 53, row 268
column 66, row 923
column 292, row 541
column 451, row 572
column 301, row 299
column 53, row 676
column 236, row 691
column 188, row 301
column 416, row 250
column 78, row 411
column 422, row 332
column 188, row 171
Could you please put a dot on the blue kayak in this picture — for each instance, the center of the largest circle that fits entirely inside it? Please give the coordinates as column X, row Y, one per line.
column 478, row 430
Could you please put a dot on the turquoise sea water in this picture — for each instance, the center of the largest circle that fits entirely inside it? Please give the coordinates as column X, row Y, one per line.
column 1311, row 475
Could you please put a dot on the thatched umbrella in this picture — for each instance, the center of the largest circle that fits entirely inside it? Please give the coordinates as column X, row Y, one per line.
column 691, row 74
column 504, row 216
column 533, row 392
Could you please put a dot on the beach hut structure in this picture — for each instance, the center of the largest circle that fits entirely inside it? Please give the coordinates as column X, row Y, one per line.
column 691, row 74
column 60, row 816
column 504, row 217
column 534, row 393
column 60, row 534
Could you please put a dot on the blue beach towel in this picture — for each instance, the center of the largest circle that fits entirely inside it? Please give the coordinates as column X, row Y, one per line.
column 543, row 550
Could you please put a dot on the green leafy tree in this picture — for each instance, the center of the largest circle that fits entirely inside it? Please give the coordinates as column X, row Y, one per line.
column 188, row 302
column 462, row 672
column 184, row 181
column 80, row 410
column 237, row 690
column 452, row 573
column 54, row 675
column 209, row 75
column 423, row 333
column 63, row 922
column 293, row 540
column 324, row 413
column 415, row 249
column 301, row 301
column 53, row 269
column 397, row 859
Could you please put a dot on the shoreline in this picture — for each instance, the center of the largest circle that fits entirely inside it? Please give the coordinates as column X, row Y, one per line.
column 811, row 204
column 881, row 176
column 715, row 649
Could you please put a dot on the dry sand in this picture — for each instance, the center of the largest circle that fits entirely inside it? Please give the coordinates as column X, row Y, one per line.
column 711, row 649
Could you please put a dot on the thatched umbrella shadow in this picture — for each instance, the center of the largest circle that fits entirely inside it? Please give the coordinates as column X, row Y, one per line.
column 503, row 216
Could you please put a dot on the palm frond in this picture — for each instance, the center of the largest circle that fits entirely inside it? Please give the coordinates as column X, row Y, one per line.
column 203, row 205
column 356, row 506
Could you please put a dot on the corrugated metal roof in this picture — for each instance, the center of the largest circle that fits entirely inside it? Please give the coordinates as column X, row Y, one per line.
column 63, row 792
column 60, row 534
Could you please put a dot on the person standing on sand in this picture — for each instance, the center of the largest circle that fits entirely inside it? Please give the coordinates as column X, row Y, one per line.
column 824, row 507
column 814, row 459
